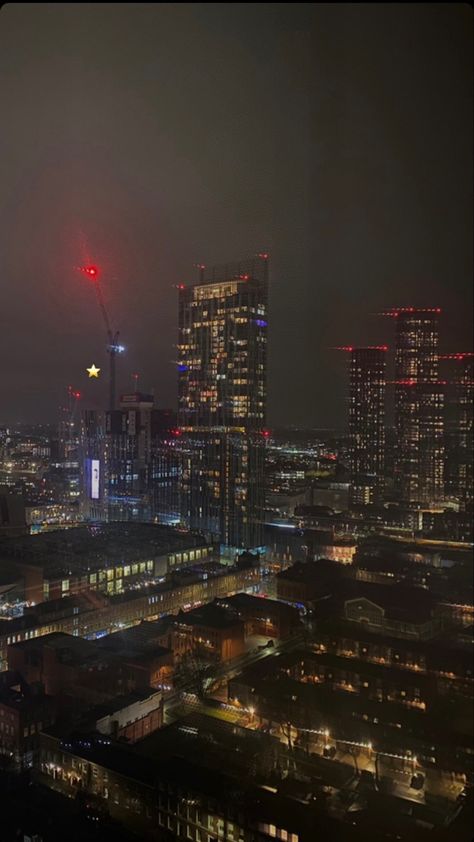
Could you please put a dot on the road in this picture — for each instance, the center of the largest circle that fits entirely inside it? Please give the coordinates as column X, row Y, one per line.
column 229, row 669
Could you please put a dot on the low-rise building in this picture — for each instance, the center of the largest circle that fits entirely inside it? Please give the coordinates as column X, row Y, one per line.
column 265, row 617
column 24, row 711
column 94, row 614
column 213, row 628
column 111, row 558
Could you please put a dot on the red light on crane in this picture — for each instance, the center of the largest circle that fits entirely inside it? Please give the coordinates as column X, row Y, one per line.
column 91, row 271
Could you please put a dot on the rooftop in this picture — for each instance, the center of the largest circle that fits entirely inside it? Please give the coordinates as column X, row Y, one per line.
column 84, row 547
column 69, row 648
column 211, row 615
column 242, row 601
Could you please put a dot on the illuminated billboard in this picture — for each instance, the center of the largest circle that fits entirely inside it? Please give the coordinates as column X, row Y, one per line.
column 95, row 475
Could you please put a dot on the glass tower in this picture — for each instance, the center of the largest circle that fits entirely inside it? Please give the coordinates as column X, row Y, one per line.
column 459, row 371
column 222, row 362
column 419, row 406
column 367, row 423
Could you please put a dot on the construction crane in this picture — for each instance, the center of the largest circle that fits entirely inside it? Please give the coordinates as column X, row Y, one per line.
column 113, row 346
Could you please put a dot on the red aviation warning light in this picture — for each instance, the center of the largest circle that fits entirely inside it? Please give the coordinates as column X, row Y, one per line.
column 402, row 311
column 266, row 434
column 91, row 271
column 462, row 355
column 351, row 348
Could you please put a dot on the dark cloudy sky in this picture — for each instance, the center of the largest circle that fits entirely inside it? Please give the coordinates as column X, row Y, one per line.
column 147, row 138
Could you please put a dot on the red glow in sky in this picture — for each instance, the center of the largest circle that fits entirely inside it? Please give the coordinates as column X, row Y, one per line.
column 92, row 271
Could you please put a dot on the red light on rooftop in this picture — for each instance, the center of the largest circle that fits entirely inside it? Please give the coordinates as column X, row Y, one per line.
column 181, row 286
column 400, row 311
column 175, row 432
column 266, row 434
column 462, row 355
column 77, row 395
column 264, row 256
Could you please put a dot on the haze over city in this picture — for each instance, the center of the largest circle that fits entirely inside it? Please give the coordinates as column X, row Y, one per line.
column 237, row 423
column 337, row 138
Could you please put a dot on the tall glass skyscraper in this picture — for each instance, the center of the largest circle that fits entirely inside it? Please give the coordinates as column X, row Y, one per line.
column 129, row 463
column 458, row 370
column 419, row 406
column 367, row 423
column 222, row 363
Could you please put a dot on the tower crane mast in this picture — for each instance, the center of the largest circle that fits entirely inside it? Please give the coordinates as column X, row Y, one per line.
column 113, row 346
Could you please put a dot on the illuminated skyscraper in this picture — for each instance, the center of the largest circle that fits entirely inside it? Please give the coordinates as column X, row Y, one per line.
column 458, row 370
column 419, row 406
column 222, row 400
column 93, row 466
column 367, row 423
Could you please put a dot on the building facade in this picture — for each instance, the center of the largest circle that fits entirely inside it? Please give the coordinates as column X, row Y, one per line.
column 367, row 423
column 419, row 406
column 222, row 361
column 129, row 463
column 142, row 470
column 459, row 428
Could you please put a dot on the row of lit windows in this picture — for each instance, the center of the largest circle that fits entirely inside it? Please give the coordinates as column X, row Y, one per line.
column 278, row 833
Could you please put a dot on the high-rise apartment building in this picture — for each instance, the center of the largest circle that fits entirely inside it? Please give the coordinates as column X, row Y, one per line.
column 141, row 462
column 367, row 423
column 93, row 498
column 222, row 366
column 458, row 371
column 419, row 406
column 130, row 463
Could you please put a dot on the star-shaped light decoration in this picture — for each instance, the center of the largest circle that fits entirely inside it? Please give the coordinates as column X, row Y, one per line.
column 93, row 371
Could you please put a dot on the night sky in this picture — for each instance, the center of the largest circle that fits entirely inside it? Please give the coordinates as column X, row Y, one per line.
column 147, row 138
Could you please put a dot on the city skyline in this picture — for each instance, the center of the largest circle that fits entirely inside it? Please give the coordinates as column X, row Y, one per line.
column 237, row 426
column 351, row 227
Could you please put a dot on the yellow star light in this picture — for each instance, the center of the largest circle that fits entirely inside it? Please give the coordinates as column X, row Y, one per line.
column 93, row 371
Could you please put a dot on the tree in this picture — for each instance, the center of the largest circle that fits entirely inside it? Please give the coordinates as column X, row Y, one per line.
column 196, row 672
column 353, row 751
